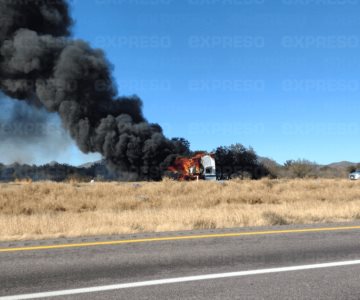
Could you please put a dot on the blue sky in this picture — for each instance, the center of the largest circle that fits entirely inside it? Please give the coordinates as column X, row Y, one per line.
column 280, row 76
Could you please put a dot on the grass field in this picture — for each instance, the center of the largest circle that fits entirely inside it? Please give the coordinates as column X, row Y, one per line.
column 46, row 210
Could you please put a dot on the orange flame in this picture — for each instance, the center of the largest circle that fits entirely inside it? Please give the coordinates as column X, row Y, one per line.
column 187, row 168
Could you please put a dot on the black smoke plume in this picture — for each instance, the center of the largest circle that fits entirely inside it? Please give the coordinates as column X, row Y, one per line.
column 42, row 65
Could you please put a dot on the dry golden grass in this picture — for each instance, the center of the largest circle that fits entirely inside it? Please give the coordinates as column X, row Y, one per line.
column 44, row 210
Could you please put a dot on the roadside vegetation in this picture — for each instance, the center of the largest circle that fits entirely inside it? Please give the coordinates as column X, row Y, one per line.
column 31, row 210
column 232, row 162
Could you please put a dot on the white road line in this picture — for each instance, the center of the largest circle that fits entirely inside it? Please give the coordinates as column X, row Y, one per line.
column 178, row 280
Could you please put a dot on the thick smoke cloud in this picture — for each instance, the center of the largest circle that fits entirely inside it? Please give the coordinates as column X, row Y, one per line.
column 42, row 65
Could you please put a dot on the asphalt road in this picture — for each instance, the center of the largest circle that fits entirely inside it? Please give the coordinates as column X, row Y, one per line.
column 66, row 265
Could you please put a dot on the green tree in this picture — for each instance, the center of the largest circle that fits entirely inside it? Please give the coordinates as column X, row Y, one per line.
column 224, row 162
column 238, row 161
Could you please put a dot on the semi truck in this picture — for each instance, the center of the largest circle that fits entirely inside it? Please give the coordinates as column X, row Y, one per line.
column 199, row 167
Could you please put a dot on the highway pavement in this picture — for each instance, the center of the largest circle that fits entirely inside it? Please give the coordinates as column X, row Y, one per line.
column 283, row 262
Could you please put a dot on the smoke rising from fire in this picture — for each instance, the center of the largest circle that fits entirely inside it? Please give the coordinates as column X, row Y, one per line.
column 42, row 65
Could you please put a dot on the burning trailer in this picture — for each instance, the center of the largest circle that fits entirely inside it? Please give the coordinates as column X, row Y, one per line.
column 201, row 166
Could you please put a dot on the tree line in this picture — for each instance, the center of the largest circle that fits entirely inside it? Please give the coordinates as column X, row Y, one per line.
column 234, row 161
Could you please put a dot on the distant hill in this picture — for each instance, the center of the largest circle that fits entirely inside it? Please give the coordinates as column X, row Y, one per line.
column 92, row 164
column 266, row 160
column 342, row 164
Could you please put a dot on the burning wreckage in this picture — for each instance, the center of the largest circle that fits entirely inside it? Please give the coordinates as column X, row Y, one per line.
column 201, row 166
column 68, row 77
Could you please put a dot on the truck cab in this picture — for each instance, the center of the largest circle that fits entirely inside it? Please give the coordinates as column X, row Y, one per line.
column 208, row 163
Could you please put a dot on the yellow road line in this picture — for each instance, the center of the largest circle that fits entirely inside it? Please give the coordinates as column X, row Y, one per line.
column 179, row 238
